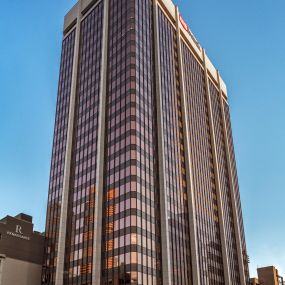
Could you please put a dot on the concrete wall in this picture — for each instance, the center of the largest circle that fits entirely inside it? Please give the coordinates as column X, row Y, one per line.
column 1, row 267
column 15, row 272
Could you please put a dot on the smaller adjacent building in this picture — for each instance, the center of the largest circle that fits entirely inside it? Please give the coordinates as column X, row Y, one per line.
column 254, row 281
column 267, row 276
column 21, row 251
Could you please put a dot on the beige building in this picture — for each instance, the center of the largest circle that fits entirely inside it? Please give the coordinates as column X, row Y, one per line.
column 267, row 276
column 254, row 281
column 21, row 251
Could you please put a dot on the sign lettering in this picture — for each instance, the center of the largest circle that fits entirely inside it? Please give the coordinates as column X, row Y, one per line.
column 19, row 229
column 18, row 233
column 183, row 23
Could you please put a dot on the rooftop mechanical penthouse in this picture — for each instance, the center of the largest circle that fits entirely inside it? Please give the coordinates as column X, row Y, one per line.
column 143, row 185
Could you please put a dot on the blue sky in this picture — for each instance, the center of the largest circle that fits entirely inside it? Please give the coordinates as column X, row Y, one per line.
column 244, row 39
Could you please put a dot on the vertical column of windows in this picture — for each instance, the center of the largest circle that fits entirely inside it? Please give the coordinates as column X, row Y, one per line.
column 79, row 242
column 236, row 188
column 119, row 234
column 208, row 231
column 149, row 258
column 58, row 157
column 174, row 154
column 225, row 186
column 130, row 246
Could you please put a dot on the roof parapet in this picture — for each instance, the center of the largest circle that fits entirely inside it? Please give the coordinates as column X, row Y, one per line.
column 71, row 18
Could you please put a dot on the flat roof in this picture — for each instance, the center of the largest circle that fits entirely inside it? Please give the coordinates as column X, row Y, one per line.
column 170, row 8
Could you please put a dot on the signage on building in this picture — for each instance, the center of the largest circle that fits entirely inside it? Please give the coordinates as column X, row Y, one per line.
column 18, row 233
column 186, row 28
column 183, row 23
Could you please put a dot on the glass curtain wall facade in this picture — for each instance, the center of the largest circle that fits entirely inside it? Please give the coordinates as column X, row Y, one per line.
column 130, row 236
column 175, row 173
column 205, row 193
column 58, row 157
column 118, row 104
column 224, row 180
column 80, row 219
column 236, row 185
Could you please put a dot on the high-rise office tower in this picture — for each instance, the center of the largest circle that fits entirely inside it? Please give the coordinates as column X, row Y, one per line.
column 143, row 186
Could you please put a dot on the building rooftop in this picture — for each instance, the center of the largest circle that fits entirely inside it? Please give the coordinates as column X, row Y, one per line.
column 21, row 216
column 83, row 5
